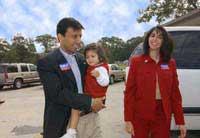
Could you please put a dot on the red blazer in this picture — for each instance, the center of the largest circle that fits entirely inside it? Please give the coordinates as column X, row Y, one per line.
column 139, row 98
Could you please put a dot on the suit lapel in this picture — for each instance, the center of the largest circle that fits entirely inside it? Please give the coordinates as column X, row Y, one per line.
column 82, row 66
column 60, row 60
column 59, row 57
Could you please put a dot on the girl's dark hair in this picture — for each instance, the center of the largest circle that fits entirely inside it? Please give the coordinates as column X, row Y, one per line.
column 166, row 46
column 96, row 47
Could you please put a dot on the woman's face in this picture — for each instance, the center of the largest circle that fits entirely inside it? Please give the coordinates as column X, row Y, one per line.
column 92, row 58
column 155, row 40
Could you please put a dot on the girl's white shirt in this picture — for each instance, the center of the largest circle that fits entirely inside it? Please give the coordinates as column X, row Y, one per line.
column 103, row 78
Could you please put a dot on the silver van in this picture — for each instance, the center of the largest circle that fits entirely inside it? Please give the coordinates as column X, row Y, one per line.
column 187, row 56
column 17, row 74
column 115, row 73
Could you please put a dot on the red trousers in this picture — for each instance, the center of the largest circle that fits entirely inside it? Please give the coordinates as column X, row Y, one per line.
column 155, row 128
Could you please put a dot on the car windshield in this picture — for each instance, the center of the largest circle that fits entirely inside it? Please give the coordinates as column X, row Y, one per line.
column 137, row 51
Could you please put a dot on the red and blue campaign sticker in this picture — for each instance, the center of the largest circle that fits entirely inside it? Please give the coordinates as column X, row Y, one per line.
column 164, row 66
column 64, row 66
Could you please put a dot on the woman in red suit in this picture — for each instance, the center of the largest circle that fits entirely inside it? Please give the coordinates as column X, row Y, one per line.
column 152, row 93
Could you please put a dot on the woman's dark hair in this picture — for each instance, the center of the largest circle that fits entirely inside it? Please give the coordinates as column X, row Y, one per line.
column 96, row 47
column 65, row 23
column 166, row 46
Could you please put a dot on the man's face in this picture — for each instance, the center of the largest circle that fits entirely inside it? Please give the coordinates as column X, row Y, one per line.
column 71, row 40
column 78, row 35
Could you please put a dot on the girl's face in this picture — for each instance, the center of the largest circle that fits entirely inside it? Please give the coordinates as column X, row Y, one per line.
column 155, row 40
column 92, row 58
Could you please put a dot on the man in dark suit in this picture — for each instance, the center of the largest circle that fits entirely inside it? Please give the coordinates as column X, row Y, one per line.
column 61, row 73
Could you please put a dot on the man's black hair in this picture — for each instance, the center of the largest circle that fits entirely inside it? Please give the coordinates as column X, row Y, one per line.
column 66, row 23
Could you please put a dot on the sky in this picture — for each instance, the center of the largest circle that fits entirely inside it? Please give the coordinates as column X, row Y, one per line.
column 100, row 18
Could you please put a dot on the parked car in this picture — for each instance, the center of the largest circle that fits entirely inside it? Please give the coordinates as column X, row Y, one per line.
column 115, row 73
column 187, row 56
column 17, row 74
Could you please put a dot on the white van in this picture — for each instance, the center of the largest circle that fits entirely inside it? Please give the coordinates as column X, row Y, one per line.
column 187, row 56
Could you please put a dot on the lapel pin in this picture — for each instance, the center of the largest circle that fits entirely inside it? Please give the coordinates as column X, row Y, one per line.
column 164, row 66
column 145, row 61
column 64, row 67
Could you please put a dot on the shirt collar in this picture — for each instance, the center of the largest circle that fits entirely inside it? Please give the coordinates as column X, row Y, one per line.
column 148, row 59
column 66, row 53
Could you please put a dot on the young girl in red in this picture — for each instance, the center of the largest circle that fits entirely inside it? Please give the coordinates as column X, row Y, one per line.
column 95, row 84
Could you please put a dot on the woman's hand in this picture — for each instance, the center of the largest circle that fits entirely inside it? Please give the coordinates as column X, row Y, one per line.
column 129, row 128
column 183, row 131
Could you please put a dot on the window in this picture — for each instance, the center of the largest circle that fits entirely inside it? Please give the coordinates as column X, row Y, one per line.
column 187, row 49
column 1, row 69
column 114, row 67
column 117, row 68
column 12, row 69
column 24, row 68
column 138, row 50
column 33, row 68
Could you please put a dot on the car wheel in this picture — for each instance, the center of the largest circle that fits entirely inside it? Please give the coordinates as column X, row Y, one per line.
column 1, row 87
column 124, row 78
column 112, row 79
column 18, row 83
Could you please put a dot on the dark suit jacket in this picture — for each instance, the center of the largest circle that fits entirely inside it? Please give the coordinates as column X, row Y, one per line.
column 61, row 93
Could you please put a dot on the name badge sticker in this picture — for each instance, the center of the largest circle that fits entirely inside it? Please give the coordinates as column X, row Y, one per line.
column 65, row 66
column 164, row 66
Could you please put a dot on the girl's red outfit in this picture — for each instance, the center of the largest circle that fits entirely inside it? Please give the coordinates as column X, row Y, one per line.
column 147, row 114
column 91, row 86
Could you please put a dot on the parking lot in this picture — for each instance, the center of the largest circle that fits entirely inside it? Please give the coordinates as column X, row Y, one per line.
column 22, row 113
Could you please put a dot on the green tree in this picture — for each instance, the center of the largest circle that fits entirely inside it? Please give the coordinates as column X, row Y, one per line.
column 131, row 44
column 31, row 46
column 21, row 50
column 112, row 47
column 47, row 41
column 163, row 9
column 117, row 49
column 4, row 47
